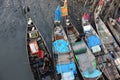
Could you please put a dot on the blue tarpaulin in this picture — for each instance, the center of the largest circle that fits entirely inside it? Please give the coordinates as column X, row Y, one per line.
column 61, row 46
column 94, row 74
column 58, row 14
column 93, row 40
column 61, row 68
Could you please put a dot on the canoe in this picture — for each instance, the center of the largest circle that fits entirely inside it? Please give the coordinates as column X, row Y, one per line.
column 85, row 59
column 63, row 57
column 92, row 38
column 114, row 28
column 95, row 45
column 110, row 46
column 38, row 53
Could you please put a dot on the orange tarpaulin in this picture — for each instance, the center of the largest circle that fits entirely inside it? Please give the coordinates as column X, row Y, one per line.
column 64, row 9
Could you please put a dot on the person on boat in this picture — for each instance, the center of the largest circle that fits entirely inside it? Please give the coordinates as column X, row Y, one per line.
column 100, row 3
column 97, row 20
column 67, row 22
column 79, row 37
column 108, row 59
column 113, row 22
column 46, row 65
column 112, row 54
column 86, row 16
column 118, row 20
column 56, row 23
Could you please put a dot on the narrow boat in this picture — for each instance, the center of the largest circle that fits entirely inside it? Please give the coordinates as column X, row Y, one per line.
column 92, row 38
column 95, row 45
column 38, row 53
column 63, row 57
column 110, row 47
column 85, row 59
column 114, row 28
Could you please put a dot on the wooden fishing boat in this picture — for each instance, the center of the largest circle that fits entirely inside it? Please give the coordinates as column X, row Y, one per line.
column 110, row 48
column 101, row 58
column 89, row 31
column 84, row 57
column 114, row 28
column 38, row 53
column 96, row 47
column 63, row 57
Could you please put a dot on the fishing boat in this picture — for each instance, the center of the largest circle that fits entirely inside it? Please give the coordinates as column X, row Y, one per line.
column 38, row 53
column 114, row 28
column 110, row 49
column 63, row 57
column 95, row 45
column 92, row 39
column 85, row 59
column 102, row 59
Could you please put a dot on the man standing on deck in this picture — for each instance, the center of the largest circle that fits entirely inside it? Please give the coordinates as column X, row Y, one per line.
column 100, row 3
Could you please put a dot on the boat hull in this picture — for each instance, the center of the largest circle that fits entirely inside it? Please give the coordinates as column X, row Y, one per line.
column 38, row 52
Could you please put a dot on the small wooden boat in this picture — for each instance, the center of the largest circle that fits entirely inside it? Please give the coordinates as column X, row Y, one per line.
column 90, row 32
column 114, row 28
column 110, row 46
column 63, row 57
column 101, row 58
column 38, row 53
column 85, row 59
column 96, row 47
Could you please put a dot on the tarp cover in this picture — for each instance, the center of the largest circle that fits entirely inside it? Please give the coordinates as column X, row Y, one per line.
column 61, row 46
column 86, row 61
column 34, row 47
column 96, row 49
column 94, row 74
column 58, row 14
column 62, row 68
column 87, row 28
column 64, row 9
column 68, row 75
column 93, row 40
